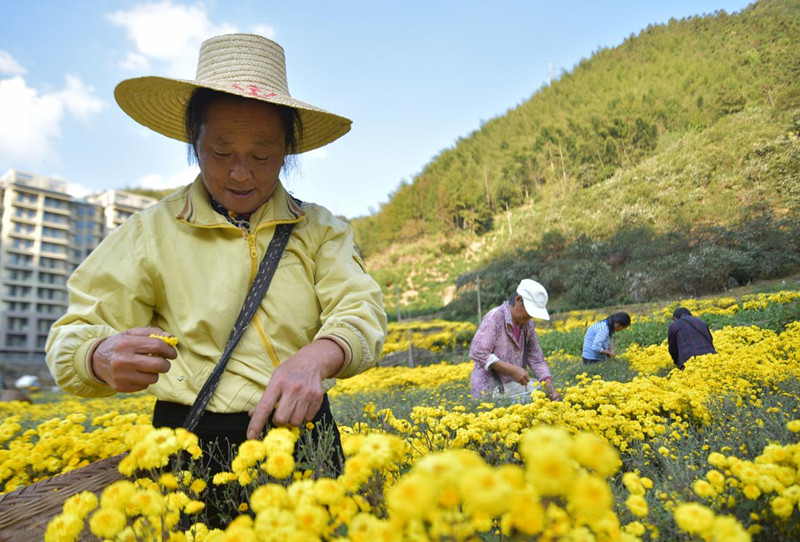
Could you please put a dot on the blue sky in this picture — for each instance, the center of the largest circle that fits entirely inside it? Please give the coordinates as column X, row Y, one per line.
column 413, row 76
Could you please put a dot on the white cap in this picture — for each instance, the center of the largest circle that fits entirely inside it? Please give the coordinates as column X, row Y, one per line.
column 534, row 297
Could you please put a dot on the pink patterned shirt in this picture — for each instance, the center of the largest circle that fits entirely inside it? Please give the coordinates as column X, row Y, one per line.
column 495, row 340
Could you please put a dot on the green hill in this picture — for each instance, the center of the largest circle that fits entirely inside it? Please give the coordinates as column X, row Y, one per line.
column 669, row 165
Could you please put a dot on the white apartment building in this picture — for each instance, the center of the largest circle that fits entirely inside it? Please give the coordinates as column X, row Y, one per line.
column 44, row 234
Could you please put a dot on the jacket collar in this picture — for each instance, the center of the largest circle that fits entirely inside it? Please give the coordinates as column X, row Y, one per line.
column 197, row 210
column 510, row 319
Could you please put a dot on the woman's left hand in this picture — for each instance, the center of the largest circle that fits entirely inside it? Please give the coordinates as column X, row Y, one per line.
column 294, row 393
column 551, row 392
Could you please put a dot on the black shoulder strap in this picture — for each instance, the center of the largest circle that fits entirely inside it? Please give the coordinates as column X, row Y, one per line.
column 258, row 289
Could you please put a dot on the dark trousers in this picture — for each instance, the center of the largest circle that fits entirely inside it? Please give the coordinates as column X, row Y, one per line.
column 587, row 361
column 220, row 436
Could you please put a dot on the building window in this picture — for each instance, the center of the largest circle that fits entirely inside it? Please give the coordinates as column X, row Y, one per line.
column 22, row 260
column 53, row 248
column 54, row 203
column 24, row 197
column 54, row 233
column 50, row 293
column 51, row 263
column 16, row 323
column 16, row 306
column 55, row 218
column 26, row 229
column 16, row 341
column 43, row 326
column 43, row 308
column 19, row 275
column 14, row 290
column 22, row 244
column 52, row 278
column 27, row 214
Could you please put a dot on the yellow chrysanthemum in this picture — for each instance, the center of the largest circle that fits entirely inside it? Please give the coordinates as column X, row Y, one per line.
column 635, row 528
column 718, row 460
column 694, row 518
column 782, row 507
column 412, row 497
column 311, row 518
column 64, row 528
column 328, row 491
column 168, row 481
column 484, row 490
column 727, row 528
column 239, row 534
column 193, row 507
column 716, row 478
column 222, row 478
column 279, row 465
column 633, row 483
column 280, row 439
column 274, row 524
column 117, row 495
column 81, row 504
column 590, row 498
column 107, row 522
column 637, row 505
column 148, row 502
column 544, row 440
column 751, row 492
column 551, row 474
column 526, row 514
column 595, row 453
column 703, row 489
column 197, row 486
column 169, row 339
column 269, row 496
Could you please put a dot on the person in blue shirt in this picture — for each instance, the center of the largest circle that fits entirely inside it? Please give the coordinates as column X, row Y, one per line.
column 597, row 341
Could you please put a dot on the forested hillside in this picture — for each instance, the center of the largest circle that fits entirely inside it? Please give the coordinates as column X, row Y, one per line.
column 667, row 165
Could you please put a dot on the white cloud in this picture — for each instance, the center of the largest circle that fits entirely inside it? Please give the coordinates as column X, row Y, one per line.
column 77, row 190
column 8, row 65
column 167, row 33
column 32, row 120
column 135, row 63
column 79, row 99
column 265, row 30
column 154, row 181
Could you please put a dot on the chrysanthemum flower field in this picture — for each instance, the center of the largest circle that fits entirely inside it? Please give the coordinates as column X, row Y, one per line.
column 635, row 451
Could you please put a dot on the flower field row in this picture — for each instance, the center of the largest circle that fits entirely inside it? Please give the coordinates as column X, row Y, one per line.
column 709, row 453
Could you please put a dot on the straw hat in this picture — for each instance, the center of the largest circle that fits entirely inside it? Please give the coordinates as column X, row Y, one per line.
column 241, row 64
column 534, row 297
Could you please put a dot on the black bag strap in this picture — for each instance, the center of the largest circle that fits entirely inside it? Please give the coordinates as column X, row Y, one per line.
column 266, row 270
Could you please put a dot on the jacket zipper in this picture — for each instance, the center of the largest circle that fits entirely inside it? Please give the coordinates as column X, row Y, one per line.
column 270, row 348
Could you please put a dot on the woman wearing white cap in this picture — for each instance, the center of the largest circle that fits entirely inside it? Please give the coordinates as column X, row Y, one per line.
column 506, row 346
column 185, row 266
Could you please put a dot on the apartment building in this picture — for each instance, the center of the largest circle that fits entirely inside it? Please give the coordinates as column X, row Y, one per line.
column 44, row 234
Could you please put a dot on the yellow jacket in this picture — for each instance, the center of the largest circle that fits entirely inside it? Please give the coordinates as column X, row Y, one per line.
column 182, row 267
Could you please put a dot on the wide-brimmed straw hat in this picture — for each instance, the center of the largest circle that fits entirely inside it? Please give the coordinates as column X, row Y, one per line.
column 244, row 65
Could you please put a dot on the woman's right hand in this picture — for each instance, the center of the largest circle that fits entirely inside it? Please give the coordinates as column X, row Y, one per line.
column 516, row 373
column 521, row 376
column 132, row 360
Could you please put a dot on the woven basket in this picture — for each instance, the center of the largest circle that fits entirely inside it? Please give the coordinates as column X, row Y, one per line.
column 25, row 512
